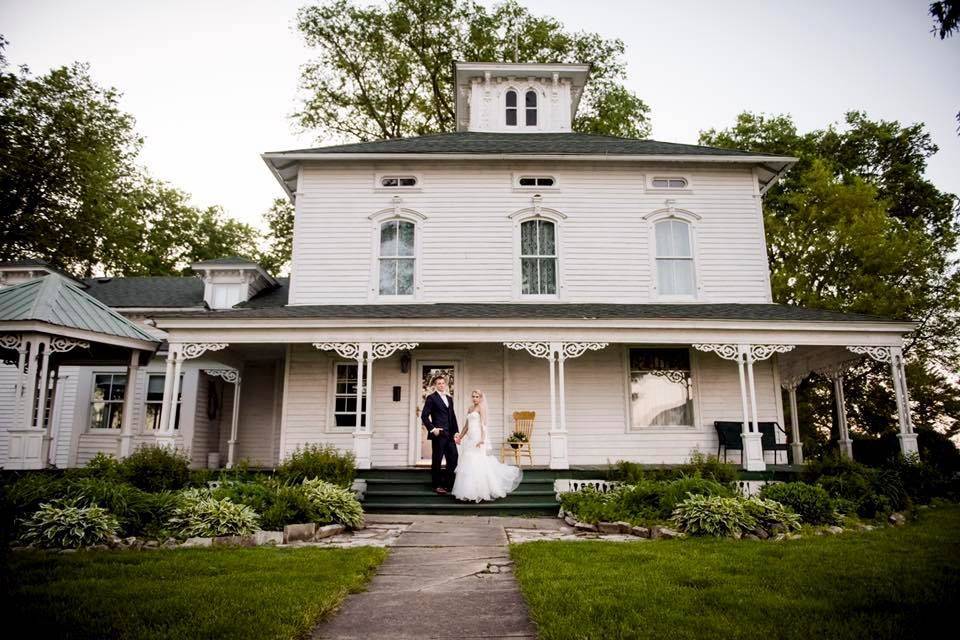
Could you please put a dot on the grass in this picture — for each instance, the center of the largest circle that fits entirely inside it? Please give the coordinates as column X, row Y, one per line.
column 190, row 593
column 888, row 583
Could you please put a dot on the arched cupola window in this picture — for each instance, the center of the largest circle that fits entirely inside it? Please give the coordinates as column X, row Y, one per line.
column 511, row 108
column 530, row 101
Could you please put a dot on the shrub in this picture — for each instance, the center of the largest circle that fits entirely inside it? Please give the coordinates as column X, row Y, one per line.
column 201, row 515
column 65, row 524
column 137, row 511
column 679, row 490
column 104, row 466
column 590, row 505
column 638, row 502
column 770, row 514
column 811, row 502
column 913, row 478
column 712, row 515
column 709, row 467
column 157, row 469
column 324, row 462
column 333, row 503
column 277, row 503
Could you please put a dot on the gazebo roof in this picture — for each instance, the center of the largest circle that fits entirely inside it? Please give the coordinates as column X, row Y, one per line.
column 54, row 304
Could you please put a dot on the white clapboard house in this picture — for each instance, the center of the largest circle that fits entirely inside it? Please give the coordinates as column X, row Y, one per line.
column 619, row 288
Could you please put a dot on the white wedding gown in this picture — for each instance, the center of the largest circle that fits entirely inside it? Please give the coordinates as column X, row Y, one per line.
column 479, row 476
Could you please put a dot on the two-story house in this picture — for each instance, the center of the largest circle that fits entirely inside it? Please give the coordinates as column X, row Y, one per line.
column 619, row 288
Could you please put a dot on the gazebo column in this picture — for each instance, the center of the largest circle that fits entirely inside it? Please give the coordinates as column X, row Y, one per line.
column 234, row 377
column 177, row 354
column 556, row 354
column 129, row 406
column 835, row 374
column 894, row 356
column 745, row 355
column 364, row 353
column 796, row 446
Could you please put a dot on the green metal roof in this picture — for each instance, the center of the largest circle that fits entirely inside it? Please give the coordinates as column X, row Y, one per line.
column 56, row 301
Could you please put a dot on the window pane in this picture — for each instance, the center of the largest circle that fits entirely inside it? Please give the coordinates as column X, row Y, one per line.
column 528, row 182
column 531, row 99
column 153, row 416
column 544, row 182
column 98, row 415
column 548, row 276
column 155, row 389
column 673, row 239
column 528, row 238
column 678, row 183
column 388, row 238
column 388, row 277
column 389, row 182
column 406, row 238
column 511, row 98
column 116, row 415
column 528, row 276
column 408, row 182
column 511, row 117
column 661, row 399
column 118, row 387
column 531, row 117
column 660, row 183
column 662, row 359
column 405, row 277
column 547, row 245
column 675, row 277
column 101, row 389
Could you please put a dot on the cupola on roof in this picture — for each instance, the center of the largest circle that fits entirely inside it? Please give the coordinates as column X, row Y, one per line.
column 509, row 97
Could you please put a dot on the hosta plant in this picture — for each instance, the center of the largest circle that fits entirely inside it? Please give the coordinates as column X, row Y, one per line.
column 770, row 514
column 203, row 516
column 334, row 504
column 703, row 515
column 66, row 524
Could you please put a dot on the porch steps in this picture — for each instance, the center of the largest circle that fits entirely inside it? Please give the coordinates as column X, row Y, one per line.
column 409, row 491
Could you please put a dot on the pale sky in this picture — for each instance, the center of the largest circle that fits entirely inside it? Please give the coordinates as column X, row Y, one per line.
column 212, row 82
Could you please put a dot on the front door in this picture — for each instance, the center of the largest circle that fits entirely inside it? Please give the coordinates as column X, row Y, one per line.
column 427, row 371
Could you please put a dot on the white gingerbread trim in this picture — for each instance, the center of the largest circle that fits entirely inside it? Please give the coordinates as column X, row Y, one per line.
column 576, row 349
column 535, row 349
column 60, row 344
column 725, row 351
column 228, row 375
column 350, row 350
column 880, row 354
column 197, row 349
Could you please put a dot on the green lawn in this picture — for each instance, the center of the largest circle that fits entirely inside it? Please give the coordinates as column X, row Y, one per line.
column 191, row 593
column 888, row 583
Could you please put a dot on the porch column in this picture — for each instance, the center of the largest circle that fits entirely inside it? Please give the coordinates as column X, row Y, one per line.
column 129, row 408
column 171, row 384
column 835, row 374
column 232, row 376
column 43, row 384
column 165, row 408
column 364, row 353
column 796, row 446
column 894, row 355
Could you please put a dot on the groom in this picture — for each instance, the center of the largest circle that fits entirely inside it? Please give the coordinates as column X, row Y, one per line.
column 440, row 421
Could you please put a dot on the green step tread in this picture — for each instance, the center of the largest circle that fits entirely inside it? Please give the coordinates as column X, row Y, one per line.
column 461, row 505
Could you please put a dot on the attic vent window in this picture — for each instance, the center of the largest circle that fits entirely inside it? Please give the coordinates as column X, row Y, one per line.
column 398, row 181
column 669, row 183
column 537, row 181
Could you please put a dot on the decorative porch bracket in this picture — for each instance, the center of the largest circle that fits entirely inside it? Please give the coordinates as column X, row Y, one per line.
column 177, row 354
column 233, row 377
column 556, row 353
column 894, row 356
column 745, row 355
column 364, row 353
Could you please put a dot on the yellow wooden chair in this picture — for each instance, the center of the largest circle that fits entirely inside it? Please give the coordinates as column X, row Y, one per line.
column 522, row 423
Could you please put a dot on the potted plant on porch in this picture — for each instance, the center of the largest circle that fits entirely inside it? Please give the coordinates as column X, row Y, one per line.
column 516, row 438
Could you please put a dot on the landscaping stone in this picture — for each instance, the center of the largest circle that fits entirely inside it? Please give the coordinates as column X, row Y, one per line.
column 584, row 527
column 750, row 536
column 267, row 538
column 640, row 532
column 833, row 530
column 761, row 533
column 151, row 544
column 625, row 527
column 897, row 519
column 234, row 541
column 130, row 541
column 608, row 527
column 669, row 534
column 68, row 550
column 99, row 547
column 328, row 530
column 570, row 520
column 193, row 543
column 114, row 541
column 299, row 532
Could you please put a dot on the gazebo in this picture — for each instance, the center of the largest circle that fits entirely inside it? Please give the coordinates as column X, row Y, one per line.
column 49, row 322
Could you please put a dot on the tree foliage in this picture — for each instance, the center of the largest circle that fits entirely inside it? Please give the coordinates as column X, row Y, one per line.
column 72, row 193
column 855, row 226
column 385, row 71
column 279, row 250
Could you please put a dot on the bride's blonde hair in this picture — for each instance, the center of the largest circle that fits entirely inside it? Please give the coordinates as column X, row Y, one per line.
column 482, row 404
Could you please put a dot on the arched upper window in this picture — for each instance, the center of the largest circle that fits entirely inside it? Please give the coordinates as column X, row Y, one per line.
column 530, row 102
column 538, row 257
column 511, row 108
column 397, row 257
column 674, row 255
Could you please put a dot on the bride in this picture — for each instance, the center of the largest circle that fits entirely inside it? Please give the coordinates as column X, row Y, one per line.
column 479, row 476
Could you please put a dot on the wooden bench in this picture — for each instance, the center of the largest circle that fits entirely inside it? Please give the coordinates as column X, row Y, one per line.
column 729, row 436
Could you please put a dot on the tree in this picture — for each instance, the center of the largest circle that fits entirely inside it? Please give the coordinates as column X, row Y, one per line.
column 386, row 71
column 855, row 226
column 946, row 22
column 72, row 193
column 279, row 221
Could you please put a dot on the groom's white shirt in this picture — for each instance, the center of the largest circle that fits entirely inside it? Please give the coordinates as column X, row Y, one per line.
column 443, row 397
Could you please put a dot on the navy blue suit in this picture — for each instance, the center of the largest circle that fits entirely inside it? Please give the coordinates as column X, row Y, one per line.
column 437, row 415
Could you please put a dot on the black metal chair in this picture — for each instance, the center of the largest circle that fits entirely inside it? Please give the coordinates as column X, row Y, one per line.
column 768, row 439
column 729, row 436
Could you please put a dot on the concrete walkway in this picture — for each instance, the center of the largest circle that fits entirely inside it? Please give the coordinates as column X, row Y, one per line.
column 445, row 577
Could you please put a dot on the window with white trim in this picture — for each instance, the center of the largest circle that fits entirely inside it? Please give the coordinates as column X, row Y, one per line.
column 668, row 183
column 674, row 256
column 530, row 102
column 345, row 396
column 511, row 102
column 106, row 405
column 397, row 257
column 154, row 401
column 538, row 257
column 661, row 388
column 536, row 181
column 398, row 181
